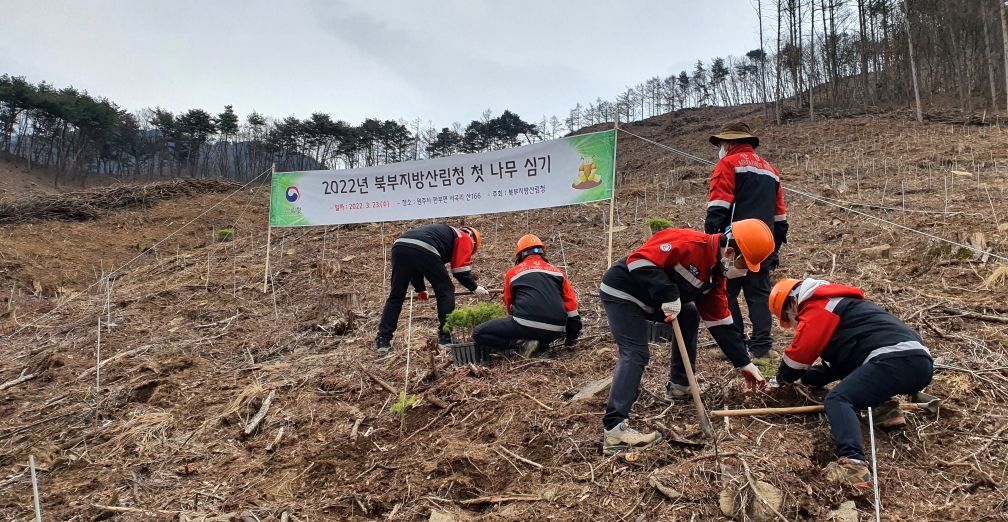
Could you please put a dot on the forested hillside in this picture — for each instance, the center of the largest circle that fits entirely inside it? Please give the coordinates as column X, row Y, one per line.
column 816, row 58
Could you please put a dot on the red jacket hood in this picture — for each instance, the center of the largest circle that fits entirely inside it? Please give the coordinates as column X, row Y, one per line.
column 820, row 289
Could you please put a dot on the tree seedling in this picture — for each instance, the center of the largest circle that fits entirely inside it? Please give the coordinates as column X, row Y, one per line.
column 461, row 322
column 657, row 224
column 225, row 235
column 402, row 404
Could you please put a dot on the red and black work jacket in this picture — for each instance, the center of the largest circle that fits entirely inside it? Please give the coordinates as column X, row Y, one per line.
column 745, row 186
column 837, row 324
column 679, row 264
column 450, row 244
column 538, row 295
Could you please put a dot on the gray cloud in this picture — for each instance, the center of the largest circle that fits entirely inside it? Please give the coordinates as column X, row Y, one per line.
column 444, row 61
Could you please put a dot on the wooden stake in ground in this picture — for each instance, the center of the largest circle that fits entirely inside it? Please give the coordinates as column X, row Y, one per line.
column 705, row 425
column 98, row 359
column 612, row 198
column 269, row 236
column 38, row 507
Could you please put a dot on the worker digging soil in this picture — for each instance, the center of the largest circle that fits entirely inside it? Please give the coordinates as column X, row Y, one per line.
column 873, row 354
column 677, row 274
column 421, row 253
column 744, row 186
column 540, row 302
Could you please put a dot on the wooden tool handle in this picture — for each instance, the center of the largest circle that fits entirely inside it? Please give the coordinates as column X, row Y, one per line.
column 705, row 425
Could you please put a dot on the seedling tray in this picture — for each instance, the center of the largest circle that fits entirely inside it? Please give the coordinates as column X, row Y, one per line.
column 660, row 332
column 469, row 353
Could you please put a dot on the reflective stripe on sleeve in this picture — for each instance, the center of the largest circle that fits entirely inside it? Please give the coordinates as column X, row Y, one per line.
column 619, row 294
column 536, row 270
column 720, row 322
column 754, row 170
column 417, row 242
column 718, row 203
column 898, row 347
column 687, row 275
column 539, row 326
column 794, row 364
column 640, row 263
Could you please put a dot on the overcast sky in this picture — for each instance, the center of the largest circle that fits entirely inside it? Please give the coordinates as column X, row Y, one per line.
column 444, row 61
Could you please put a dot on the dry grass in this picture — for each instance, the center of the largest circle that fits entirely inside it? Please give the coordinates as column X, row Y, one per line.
column 163, row 431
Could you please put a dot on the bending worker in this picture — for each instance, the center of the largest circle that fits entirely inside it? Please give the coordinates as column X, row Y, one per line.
column 421, row 254
column 539, row 300
column 676, row 273
column 744, row 186
column 873, row 354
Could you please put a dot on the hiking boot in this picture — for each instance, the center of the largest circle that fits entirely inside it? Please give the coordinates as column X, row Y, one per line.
column 769, row 356
column 851, row 471
column 888, row 416
column 675, row 391
column 383, row 344
column 444, row 339
column 716, row 354
column 622, row 438
column 527, row 347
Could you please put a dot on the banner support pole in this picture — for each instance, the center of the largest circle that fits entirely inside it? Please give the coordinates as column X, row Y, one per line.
column 612, row 199
column 269, row 233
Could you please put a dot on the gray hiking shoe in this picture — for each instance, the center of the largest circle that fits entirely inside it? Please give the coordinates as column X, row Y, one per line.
column 528, row 347
column 675, row 391
column 622, row 438
column 383, row 344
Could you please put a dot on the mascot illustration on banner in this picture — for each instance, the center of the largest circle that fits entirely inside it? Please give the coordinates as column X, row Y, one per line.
column 587, row 177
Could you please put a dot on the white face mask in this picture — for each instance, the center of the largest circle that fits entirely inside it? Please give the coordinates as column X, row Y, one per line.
column 722, row 153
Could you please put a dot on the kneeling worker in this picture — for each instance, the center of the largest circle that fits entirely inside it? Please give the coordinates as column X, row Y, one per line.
column 873, row 354
column 421, row 254
column 540, row 301
column 677, row 273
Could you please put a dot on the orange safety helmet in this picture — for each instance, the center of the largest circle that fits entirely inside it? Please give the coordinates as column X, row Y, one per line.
column 779, row 295
column 475, row 236
column 528, row 241
column 754, row 240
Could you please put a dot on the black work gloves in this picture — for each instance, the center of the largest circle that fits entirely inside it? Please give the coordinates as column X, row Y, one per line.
column 573, row 330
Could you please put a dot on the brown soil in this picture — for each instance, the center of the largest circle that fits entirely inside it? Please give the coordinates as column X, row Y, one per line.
column 161, row 437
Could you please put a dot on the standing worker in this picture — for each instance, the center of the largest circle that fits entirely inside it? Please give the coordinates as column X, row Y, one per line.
column 676, row 273
column 745, row 186
column 421, row 254
column 873, row 354
column 540, row 301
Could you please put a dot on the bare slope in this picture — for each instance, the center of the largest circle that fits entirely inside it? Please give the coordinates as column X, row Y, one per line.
column 161, row 436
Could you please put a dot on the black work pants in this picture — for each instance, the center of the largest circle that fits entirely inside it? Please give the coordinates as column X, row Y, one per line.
column 504, row 333
column 627, row 322
column 756, row 286
column 873, row 383
column 413, row 265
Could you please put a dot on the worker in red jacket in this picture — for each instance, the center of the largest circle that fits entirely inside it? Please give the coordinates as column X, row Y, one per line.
column 540, row 302
column 873, row 354
column 746, row 186
column 421, row 254
column 675, row 274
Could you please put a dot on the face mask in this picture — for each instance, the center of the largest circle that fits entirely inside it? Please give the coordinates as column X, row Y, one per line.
column 722, row 153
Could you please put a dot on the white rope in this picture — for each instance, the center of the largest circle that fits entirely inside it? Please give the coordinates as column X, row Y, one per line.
column 830, row 201
column 138, row 256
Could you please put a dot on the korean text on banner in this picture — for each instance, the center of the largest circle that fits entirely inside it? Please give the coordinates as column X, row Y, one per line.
column 578, row 169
